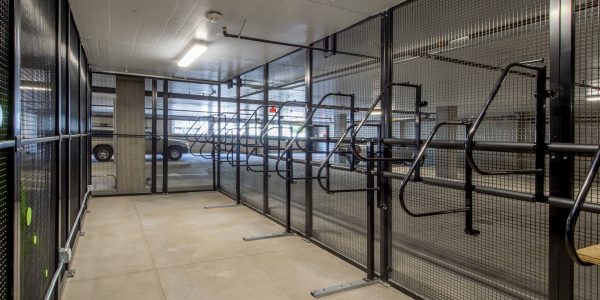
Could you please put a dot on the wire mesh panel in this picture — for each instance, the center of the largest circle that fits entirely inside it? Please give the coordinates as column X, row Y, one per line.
column 38, row 198
column 104, row 173
column 456, row 50
column 38, row 215
column 287, row 85
column 251, row 97
column 228, row 110
column 586, row 106
column 5, row 103
column 192, row 109
column 339, row 219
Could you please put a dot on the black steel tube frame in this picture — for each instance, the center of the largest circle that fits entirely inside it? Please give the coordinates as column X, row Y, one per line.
column 540, row 126
column 238, row 181
column 416, row 162
column 577, row 206
column 326, row 187
column 417, row 117
column 165, row 161
column 332, row 51
column 239, row 137
column 307, row 123
column 154, row 134
column 308, row 186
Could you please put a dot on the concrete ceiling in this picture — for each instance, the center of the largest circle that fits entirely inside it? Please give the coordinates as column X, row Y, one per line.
column 147, row 36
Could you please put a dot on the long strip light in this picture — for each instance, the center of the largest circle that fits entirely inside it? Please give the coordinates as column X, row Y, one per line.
column 192, row 54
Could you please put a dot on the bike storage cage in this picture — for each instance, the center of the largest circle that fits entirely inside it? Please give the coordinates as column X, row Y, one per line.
column 587, row 256
column 287, row 153
column 540, row 127
column 210, row 139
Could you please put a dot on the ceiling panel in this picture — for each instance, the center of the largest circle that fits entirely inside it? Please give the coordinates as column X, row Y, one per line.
column 147, row 36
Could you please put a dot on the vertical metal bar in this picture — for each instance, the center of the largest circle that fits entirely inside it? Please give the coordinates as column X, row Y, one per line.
column 540, row 135
column 266, row 142
column 238, row 182
column 217, row 158
column 288, row 190
column 68, row 125
column 14, row 161
column 165, row 152
column 154, row 132
column 371, row 214
column 61, row 231
column 560, row 268
column 309, row 145
column 386, row 123
column 352, row 121
column 418, row 105
column 469, row 196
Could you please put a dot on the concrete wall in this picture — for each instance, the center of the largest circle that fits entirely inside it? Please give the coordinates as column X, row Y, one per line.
column 130, row 120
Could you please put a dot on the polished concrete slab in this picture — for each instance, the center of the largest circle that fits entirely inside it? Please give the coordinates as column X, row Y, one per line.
column 170, row 247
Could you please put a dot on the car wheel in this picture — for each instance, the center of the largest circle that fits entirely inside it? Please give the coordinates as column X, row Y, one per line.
column 103, row 153
column 175, row 153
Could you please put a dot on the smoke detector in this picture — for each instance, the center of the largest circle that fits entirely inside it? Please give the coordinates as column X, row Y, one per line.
column 213, row 16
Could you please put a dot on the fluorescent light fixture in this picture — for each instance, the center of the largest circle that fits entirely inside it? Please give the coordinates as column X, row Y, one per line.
column 34, row 88
column 593, row 98
column 192, row 54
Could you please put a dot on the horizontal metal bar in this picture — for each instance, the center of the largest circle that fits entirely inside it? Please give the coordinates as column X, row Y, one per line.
column 31, row 141
column 192, row 80
column 568, row 203
column 266, row 236
column 7, row 144
column 572, row 148
column 344, row 287
column 504, row 193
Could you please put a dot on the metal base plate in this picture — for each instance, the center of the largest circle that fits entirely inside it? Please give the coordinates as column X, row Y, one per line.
column 344, row 287
column 267, row 236
column 211, row 206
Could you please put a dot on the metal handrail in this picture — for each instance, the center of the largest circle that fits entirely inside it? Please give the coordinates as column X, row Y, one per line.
column 413, row 167
column 576, row 209
column 260, row 142
column 469, row 144
column 418, row 105
column 326, row 164
column 64, row 254
column 306, row 123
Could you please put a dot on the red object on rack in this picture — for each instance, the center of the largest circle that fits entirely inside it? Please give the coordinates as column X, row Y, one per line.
column 273, row 109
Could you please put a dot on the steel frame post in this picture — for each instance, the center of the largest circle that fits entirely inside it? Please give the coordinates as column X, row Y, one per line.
column 308, row 215
column 58, row 125
column 266, row 149
column 560, row 266
column 238, row 195
column 154, row 131
column 14, row 161
column 165, row 152
column 370, row 214
column 385, row 187
column 218, row 145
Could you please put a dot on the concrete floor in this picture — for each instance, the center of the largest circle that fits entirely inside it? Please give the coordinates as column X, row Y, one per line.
column 170, row 247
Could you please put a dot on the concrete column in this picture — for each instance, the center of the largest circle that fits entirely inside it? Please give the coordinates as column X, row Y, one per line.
column 446, row 163
column 130, row 120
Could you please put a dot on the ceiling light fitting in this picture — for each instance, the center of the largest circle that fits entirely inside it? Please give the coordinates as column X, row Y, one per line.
column 193, row 52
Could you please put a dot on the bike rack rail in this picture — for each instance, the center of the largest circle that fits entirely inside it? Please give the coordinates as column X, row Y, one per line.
column 264, row 134
column 468, row 209
column 210, row 139
column 540, row 127
column 196, row 137
column 592, row 253
column 286, row 153
column 245, row 126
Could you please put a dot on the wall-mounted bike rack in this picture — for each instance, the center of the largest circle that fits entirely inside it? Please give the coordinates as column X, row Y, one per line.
column 287, row 153
column 540, row 127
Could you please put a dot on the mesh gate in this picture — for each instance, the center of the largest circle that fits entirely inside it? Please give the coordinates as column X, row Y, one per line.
column 4, row 109
column 286, row 84
column 456, row 51
column 339, row 220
